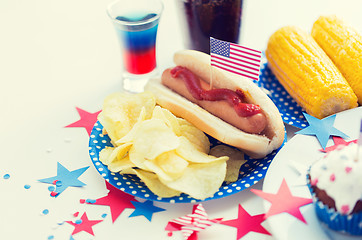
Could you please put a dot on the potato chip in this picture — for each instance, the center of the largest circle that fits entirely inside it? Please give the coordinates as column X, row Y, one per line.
column 121, row 111
column 182, row 121
column 152, row 167
column 196, row 137
column 120, row 152
column 200, row 180
column 128, row 171
column 121, row 165
column 168, row 166
column 108, row 155
column 172, row 164
column 189, row 151
column 104, row 155
column 236, row 160
column 153, row 138
column 131, row 134
column 111, row 114
column 168, row 118
column 137, row 158
column 153, row 183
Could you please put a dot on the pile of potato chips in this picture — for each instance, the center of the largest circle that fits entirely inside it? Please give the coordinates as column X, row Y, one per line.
column 169, row 154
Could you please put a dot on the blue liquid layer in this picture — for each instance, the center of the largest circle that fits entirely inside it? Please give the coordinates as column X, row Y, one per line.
column 141, row 37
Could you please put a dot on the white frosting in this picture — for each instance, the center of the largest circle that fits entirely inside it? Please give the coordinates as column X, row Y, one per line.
column 340, row 175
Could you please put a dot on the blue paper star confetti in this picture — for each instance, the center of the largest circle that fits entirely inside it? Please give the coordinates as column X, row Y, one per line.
column 146, row 209
column 321, row 128
column 65, row 179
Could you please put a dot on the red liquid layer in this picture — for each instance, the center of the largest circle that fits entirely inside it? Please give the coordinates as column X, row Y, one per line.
column 140, row 62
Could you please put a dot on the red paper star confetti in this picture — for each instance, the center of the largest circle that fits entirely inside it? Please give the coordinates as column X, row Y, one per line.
column 191, row 224
column 84, row 225
column 338, row 141
column 246, row 223
column 284, row 201
column 87, row 120
column 117, row 200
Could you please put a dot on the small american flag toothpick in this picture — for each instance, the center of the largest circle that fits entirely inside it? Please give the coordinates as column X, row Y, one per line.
column 235, row 58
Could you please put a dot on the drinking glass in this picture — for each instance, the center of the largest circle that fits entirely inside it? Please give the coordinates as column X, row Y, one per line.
column 136, row 24
column 202, row 19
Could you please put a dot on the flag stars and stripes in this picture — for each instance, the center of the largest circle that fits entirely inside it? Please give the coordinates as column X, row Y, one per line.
column 235, row 58
column 220, row 47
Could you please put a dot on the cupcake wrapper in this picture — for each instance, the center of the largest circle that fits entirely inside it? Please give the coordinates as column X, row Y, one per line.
column 351, row 224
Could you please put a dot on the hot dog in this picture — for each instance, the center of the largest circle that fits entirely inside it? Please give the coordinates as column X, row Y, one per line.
column 235, row 111
column 251, row 123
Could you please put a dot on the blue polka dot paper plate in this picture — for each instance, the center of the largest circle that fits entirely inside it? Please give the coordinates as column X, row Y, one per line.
column 290, row 111
column 250, row 173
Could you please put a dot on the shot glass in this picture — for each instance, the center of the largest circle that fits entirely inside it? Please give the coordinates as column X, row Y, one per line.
column 136, row 24
column 201, row 20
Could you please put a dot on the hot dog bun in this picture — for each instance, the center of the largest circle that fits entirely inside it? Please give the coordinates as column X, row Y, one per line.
column 255, row 145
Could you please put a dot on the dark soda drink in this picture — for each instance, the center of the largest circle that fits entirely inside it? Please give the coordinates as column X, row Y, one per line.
column 203, row 19
column 138, row 38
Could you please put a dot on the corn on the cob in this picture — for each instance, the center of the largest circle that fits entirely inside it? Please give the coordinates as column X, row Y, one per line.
column 307, row 73
column 343, row 45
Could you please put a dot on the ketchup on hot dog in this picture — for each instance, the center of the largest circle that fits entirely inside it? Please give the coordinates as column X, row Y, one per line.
column 235, row 98
column 231, row 106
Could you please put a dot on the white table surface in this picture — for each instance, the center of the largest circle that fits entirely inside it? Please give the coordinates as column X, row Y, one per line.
column 58, row 55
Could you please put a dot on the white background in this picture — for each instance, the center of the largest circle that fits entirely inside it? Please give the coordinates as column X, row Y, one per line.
column 56, row 55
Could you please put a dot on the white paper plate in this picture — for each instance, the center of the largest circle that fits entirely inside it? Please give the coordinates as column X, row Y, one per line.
column 304, row 150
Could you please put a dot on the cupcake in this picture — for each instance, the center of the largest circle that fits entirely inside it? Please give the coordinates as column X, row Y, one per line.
column 335, row 182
